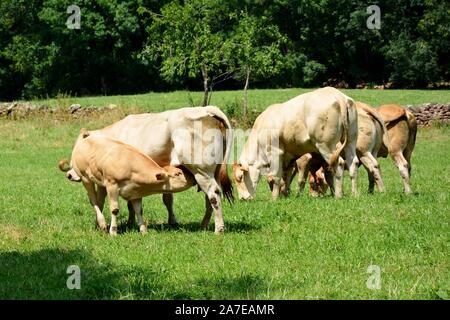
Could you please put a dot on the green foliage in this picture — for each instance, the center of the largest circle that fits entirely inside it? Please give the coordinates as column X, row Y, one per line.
column 128, row 46
column 255, row 47
column 414, row 64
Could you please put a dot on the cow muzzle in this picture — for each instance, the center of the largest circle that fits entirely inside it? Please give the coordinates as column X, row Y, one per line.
column 73, row 176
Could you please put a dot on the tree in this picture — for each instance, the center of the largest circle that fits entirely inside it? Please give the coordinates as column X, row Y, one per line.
column 254, row 50
column 188, row 40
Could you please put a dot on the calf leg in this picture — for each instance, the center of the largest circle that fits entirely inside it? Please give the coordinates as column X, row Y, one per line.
column 402, row 166
column 168, row 202
column 335, row 172
column 113, row 195
column 131, row 214
column 137, row 205
column 90, row 188
column 303, row 167
column 373, row 170
column 101, row 195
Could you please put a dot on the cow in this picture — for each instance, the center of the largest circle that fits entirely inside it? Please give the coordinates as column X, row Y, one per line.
column 372, row 135
column 196, row 138
column 312, row 122
column 109, row 167
column 402, row 130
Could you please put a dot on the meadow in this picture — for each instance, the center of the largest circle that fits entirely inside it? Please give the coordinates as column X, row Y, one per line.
column 292, row 248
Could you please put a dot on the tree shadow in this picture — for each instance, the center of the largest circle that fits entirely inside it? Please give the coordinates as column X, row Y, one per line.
column 43, row 274
column 239, row 287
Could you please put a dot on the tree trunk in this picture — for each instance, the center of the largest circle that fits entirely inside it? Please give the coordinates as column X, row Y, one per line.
column 205, row 86
column 247, row 80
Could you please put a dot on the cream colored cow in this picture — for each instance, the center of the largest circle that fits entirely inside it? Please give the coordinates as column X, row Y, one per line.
column 117, row 169
column 312, row 122
column 372, row 135
column 197, row 138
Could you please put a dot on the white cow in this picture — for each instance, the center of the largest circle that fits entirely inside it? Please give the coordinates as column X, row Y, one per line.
column 312, row 122
column 197, row 138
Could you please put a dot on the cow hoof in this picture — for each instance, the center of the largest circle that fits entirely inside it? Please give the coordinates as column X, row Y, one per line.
column 143, row 229
column 219, row 230
column 113, row 231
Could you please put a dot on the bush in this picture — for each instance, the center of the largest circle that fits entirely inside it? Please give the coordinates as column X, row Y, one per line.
column 413, row 64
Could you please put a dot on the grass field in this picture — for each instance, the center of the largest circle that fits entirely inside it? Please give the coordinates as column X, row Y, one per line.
column 295, row 248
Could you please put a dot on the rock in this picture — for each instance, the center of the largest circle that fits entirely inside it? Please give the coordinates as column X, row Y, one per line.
column 74, row 108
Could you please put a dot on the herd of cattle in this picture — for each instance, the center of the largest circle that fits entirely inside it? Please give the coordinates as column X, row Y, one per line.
column 317, row 134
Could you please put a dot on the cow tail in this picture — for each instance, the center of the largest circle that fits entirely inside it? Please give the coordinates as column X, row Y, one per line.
column 63, row 165
column 224, row 179
column 375, row 115
column 345, row 125
column 412, row 125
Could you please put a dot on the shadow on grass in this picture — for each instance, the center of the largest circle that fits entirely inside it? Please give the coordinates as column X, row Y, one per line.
column 43, row 274
column 235, row 227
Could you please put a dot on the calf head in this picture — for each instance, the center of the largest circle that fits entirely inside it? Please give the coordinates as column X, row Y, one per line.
column 317, row 183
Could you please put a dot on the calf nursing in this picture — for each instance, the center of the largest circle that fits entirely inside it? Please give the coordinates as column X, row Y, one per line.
column 107, row 167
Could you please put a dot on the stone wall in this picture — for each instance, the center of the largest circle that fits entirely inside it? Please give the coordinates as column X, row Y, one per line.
column 430, row 112
column 18, row 110
column 425, row 114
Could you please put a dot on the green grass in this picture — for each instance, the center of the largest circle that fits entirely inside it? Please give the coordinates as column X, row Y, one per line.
column 258, row 99
column 295, row 248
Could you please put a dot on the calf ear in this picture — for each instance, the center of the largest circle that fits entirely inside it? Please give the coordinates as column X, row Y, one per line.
column 84, row 133
column 161, row 176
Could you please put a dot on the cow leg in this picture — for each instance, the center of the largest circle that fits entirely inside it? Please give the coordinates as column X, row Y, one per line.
column 303, row 167
column 208, row 211
column 113, row 195
column 407, row 155
column 339, row 175
column 131, row 214
column 101, row 195
column 168, row 202
column 402, row 166
column 371, row 179
column 289, row 172
column 137, row 205
column 373, row 170
column 90, row 188
column 352, row 164
column 329, row 178
column 210, row 187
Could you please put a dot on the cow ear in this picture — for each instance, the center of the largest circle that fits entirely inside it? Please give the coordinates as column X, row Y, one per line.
column 161, row 176
column 243, row 167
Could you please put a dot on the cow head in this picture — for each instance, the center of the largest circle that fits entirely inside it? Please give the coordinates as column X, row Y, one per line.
column 246, row 178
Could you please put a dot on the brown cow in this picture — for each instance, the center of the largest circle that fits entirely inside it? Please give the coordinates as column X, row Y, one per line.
column 402, row 130
column 117, row 169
